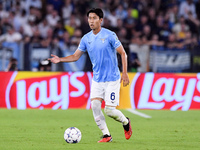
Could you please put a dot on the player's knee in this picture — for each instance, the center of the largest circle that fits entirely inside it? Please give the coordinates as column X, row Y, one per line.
column 95, row 104
column 109, row 111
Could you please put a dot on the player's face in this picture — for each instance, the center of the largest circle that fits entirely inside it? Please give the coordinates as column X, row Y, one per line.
column 94, row 21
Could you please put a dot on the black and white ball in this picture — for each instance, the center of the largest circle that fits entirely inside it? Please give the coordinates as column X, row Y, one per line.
column 72, row 135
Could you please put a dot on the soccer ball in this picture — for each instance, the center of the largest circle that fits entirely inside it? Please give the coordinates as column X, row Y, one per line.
column 72, row 135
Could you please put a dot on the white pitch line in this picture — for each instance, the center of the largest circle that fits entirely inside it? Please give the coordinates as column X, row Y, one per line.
column 138, row 113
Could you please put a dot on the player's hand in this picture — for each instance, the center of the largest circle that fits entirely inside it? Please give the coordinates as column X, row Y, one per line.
column 125, row 79
column 55, row 59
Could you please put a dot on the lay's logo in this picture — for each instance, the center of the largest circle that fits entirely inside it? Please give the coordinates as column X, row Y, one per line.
column 63, row 90
column 165, row 91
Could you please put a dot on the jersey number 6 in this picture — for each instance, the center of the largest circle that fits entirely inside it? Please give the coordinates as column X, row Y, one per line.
column 112, row 96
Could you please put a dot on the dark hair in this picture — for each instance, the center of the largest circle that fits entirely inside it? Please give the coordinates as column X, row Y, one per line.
column 97, row 11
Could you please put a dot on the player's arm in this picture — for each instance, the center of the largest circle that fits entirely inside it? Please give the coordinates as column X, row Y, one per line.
column 124, row 76
column 71, row 58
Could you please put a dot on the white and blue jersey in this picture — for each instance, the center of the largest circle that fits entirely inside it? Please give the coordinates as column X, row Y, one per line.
column 102, row 52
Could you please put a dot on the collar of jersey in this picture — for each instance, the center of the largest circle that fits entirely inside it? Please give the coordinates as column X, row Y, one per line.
column 97, row 33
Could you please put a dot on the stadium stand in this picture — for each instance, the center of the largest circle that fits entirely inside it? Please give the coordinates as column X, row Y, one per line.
column 33, row 29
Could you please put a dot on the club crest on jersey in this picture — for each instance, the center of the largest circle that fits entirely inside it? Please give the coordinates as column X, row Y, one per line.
column 103, row 40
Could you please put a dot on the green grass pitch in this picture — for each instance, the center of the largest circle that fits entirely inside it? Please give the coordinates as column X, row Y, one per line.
column 35, row 129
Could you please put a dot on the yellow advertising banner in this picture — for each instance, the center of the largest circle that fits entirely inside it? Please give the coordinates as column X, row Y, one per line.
column 124, row 101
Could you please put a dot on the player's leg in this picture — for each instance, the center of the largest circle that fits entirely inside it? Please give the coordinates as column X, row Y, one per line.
column 100, row 120
column 97, row 95
column 119, row 116
column 112, row 100
column 116, row 114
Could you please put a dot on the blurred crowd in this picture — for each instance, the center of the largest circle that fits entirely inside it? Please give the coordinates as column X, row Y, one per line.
column 160, row 24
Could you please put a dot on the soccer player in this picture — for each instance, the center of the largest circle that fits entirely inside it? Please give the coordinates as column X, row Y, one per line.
column 102, row 45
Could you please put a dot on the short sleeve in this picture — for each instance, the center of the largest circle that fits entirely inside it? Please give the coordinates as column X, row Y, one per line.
column 114, row 40
column 82, row 45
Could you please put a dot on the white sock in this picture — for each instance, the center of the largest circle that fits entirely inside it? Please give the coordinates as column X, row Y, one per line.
column 116, row 114
column 99, row 117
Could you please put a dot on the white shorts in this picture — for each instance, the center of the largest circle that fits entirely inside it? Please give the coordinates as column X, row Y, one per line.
column 108, row 91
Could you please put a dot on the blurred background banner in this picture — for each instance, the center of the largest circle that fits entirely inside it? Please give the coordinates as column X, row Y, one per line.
column 10, row 50
column 38, row 54
column 5, row 56
column 195, row 60
column 170, row 61
column 69, row 90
